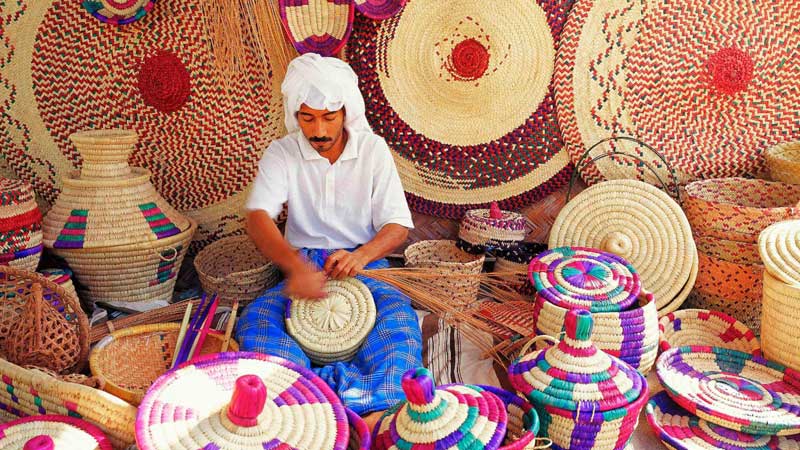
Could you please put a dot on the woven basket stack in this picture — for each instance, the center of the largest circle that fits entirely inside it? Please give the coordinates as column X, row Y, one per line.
column 727, row 215
column 20, row 225
column 119, row 236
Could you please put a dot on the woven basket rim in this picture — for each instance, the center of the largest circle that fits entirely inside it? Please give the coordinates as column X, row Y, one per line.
column 696, row 191
column 474, row 260
column 199, row 261
column 148, row 245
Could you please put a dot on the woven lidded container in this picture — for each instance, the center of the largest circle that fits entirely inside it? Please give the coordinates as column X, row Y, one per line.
column 120, row 237
column 332, row 329
column 248, row 401
column 444, row 256
column 707, row 328
column 783, row 161
column 517, row 259
column 780, row 312
column 360, row 435
column 586, row 399
column 52, row 432
column 779, row 249
column 488, row 229
column 20, row 225
column 30, row 392
column 234, row 269
column 128, row 361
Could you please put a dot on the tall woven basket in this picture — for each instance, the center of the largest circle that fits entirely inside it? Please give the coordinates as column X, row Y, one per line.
column 779, row 340
column 20, row 225
column 444, row 255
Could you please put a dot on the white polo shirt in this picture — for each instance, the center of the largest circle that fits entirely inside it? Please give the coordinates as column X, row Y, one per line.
column 331, row 206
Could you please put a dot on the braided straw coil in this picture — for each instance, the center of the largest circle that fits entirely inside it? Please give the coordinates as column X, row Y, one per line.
column 779, row 313
column 706, row 328
column 51, row 432
column 779, row 248
column 783, row 161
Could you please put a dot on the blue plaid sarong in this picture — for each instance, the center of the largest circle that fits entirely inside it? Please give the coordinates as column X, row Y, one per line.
column 370, row 381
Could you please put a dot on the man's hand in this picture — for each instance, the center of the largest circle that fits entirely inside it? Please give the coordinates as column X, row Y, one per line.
column 306, row 282
column 342, row 264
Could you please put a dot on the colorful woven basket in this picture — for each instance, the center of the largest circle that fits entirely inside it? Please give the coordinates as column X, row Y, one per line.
column 234, row 269
column 489, row 229
column 779, row 248
column 680, row 430
column 738, row 209
column 118, row 12
column 61, row 277
column 585, row 398
column 51, row 432
column 640, row 223
column 444, row 255
column 706, row 328
column 20, row 225
column 517, row 259
column 250, row 401
column 781, row 316
column 379, row 9
column 333, row 329
column 746, row 311
column 128, row 361
column 360, row 436
column 28, row 392
column 449, row 87
column 317, row 27
column 733, row 389
column 783, row 161
column 454, row 416
column 738, row 285
column 523, row 422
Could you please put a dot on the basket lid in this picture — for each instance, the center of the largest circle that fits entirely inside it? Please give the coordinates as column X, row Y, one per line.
column 454, row 416
column 249, row 401
column 575, row 375
column 584, row 278
column 487, row 226
column 779, row 247
column 333, row 329
column 109, row 203
column 52, row 432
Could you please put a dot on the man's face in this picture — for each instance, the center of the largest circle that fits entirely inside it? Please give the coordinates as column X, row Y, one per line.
column 321, row 127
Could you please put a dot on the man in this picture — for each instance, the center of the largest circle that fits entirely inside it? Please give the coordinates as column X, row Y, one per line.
column 345, row 200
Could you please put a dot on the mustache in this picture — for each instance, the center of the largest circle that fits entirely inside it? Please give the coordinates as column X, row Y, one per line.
column 320, row 139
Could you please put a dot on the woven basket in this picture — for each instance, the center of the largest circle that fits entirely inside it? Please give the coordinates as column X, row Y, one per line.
column 169, row 313
column 234, row 269
column 729, row 280
column 779, row 248
column 746, row 311
column 360, row 435
column 523, row 422
column 738, row 209
column 61, row 277
column 783, row 161
column 30, row 392
column 129, row 361
column 483, row 229
column 59, row 337
column 52, row 432
column 780, row 313
column 706, row 328
column 20, row 225
column 517, row 259
column 444, row 255
column 743, row 253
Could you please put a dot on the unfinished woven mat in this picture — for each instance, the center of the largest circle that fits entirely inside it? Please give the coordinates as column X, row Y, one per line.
column 320, row 26
column 640, row 223
column 454, row 416
column 489, row 229
column 20, row 225
column 733, row 389
column 783, row 161
column 779, row 247
column 129, row 360
column 708, row 65
column 706, row 328
column 51, row 432
column 332, row 329
column 444, row 255
column 781, row 315
column 516, row 316
column 461, row 91
column 681, row 430
column 586, row 399
column 249, row 401
column 379, row 9
column 118, row 12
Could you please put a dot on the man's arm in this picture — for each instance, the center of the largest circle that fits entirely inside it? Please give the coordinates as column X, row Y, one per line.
column 345, row 264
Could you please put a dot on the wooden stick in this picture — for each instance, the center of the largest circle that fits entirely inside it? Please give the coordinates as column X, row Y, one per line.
column 184, row 325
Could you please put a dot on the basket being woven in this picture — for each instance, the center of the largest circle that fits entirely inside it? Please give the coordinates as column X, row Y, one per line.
column 707, row 328
column 783, row 161
column 780, row 313
column 20, row 225
column 234, row 269
column 444, row 255
column 51, row 432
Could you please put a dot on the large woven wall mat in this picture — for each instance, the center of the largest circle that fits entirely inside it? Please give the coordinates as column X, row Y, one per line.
column 200, row 140
column 317, row 26
column 461, row 91
column 20, row 225
column 640, row 223
column 779, row 338
column 779, row 247
column 711, row 66
column 52, row 432
column 706, row 328
column 733, row 389
column 747, row 311
column 681, row 430
column 29, row 392
column 783, row 161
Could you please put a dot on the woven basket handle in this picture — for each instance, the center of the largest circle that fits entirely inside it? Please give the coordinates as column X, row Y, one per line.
column 582, row 161
column 36, row 301
column 540, row 443
column 172, row 251
column 543, row 337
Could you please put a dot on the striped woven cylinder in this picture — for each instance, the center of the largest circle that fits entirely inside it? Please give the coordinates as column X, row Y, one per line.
column 586, row 399
column 20, row 225
column 51, row 432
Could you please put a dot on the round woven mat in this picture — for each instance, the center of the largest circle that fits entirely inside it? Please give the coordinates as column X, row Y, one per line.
column 779, row 247
column 317, row 26
column 708, row 66
column 643, row 225
column 62, row 431
column 332, row 329
column 681, row 430
column 300, row 410
column 379, row 9
column 201, row 142
column 461, row 92
column 709, row 328
column 733, row 389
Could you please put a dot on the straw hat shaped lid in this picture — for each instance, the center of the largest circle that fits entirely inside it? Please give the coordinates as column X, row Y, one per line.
column 333, row 329
column 52, row 432
column 485, row 226
column 454, row 416
column 108, row 203
column 779, row 247
column 575, row 375
column 247, row 401
column 584, row 278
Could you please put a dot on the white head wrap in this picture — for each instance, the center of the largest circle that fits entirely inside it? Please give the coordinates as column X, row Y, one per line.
column 322, row 83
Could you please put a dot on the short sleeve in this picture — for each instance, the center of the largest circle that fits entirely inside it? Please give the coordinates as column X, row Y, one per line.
column 271, row 186
column 389, row 203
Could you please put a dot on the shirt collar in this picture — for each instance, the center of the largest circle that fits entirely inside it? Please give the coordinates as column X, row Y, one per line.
column 309, row 154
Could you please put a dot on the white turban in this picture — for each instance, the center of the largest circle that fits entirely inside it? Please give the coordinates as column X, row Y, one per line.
column 322, row 83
